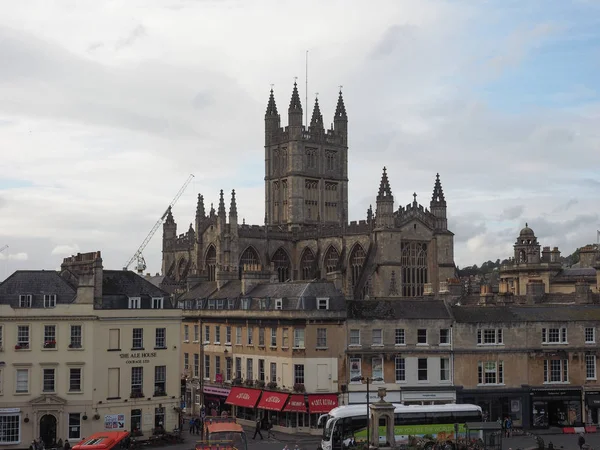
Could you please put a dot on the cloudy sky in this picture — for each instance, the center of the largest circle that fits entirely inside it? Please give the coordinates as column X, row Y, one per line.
column 107, row 106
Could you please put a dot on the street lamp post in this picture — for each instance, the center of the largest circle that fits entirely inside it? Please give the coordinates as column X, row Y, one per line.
column 368, row 381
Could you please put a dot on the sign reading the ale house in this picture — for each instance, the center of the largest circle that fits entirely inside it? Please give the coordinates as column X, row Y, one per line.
column 138, row 357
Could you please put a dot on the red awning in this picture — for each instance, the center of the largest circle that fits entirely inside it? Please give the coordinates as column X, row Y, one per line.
column 321, row 403
column 246, row 398
column 295, row 404
column 272, row 401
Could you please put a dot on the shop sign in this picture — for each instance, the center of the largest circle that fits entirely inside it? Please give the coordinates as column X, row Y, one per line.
column 138, row 357
column 557, row 393
column 361, row 397
column 10, row 410
column 223, row 392
column 415, row 396
column 114, row 422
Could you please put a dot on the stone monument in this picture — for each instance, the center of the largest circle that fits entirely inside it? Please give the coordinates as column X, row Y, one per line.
column 381, row 412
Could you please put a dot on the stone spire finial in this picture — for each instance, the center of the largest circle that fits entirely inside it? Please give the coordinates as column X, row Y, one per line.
column 295, row 104
column 370, row 213
column 271, row 106
column 384, row 186
column 316, row 122
column 340, row 110
column 233, row 207
column 169, row 220
column 438, row 193
column 200, row 212
column 221, row 211
column 212, row 210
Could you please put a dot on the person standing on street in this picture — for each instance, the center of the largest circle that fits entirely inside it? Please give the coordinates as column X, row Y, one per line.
column 581, row 441
column 257, row 429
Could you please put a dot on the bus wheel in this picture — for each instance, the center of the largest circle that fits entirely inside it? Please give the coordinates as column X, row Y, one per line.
column 429, row 446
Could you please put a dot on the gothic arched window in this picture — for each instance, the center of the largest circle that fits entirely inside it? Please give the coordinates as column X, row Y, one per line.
column 332, row 258
column 414, row 268
column 248, row 258
column 282, row 264
column 357, row 260
column 307, row 264
column 211, row 263
column 182, row 269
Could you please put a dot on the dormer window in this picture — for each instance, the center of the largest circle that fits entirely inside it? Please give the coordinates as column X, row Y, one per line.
column 231, row 303
column 245, row 303
column 135, row 302
column 50, row 301
column 157, row 302
column 278, row 303
column 25, row 301
column 322, row 303
column 264, row 303
column 212, row 304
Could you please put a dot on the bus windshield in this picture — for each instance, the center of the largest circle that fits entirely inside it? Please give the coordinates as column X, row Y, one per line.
column 327, row 430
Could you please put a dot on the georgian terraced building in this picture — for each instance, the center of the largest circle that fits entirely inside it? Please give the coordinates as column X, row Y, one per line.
column 270, row 349
column 83, row 350
column 402, row 345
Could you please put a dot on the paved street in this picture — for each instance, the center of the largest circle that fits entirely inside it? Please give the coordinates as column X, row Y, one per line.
column 565, row 441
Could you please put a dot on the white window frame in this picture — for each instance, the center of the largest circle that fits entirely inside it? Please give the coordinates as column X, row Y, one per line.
column 186, row 333
column 592, row 331
column 217, row 334
column 70, row 427
column 563, row 368
column 75, row 391
column 426, row 337
column 28, row 371
column 351, row 362
column 426, row 380
column 322, row 340
column 299, row 379
column 299, row 335
column 158, row 302
column 49, row 300
column 51, row 370
column 445, row 370
column 448, row 336
column 135, row 302
column 273, row 343
column 350, row 337
column 377, row 337
column 323, row 303
column 548, row 334
column 1, row 337
column 238, row 335
column 400, row 370
column 590, row 367
column 250, row 336
column 25, row 344
column 17, row 420
column 400, row 337
column 496, row 338
column 374, row 361
column 160, row 336
column 484, row 367
column 278, row 303
column 137, row 335
column 25, row 300
column 228, row 335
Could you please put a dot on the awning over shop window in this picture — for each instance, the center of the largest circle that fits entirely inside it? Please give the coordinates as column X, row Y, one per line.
column 295, row 404
column 273, row 401
column 321, row 403
column 246, row 398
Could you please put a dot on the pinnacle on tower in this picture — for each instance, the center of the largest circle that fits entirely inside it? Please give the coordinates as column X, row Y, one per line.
column 384, row 187
column 271, row 106
column 438, row 193
column 233, row 206
column 191, row 229
column 295, row 104
column 200, row 212
column 340, row 110
column 221, row 204
column 212, row 210
column 169, row 220
column 317, row 118
column 370, row 213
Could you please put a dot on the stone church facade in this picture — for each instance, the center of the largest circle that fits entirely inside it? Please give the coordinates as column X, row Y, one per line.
column 404, row 252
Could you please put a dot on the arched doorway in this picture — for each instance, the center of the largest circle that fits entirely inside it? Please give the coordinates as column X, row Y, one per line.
column 48, row 430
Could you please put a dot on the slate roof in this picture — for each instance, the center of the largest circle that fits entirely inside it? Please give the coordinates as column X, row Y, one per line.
column 515, row 314
column 119, row 285
column 397, row 309
column 200, row 291
column 36, row 283
column 573, row 273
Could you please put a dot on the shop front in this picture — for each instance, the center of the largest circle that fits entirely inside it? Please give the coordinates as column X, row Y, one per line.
column 429, row 397
column 555, row 407
column 496, row 404
column 592, row 404
column 214, row 399
column 244, row 402
column 270, row 405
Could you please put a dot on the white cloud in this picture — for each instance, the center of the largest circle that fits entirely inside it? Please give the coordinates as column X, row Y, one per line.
column 65, row 250
column 21, row 256
column 102, row 130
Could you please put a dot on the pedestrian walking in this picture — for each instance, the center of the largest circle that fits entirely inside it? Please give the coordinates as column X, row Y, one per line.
column 270, row 433
column 581, row 441
column 257, row 429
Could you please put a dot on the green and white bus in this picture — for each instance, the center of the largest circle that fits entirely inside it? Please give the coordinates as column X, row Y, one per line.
column 428, row 424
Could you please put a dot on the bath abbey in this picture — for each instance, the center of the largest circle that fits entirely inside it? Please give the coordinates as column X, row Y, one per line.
column 392, row 252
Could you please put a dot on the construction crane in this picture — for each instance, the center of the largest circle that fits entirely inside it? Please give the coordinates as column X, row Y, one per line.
column 141, row 262
column 3, row 248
